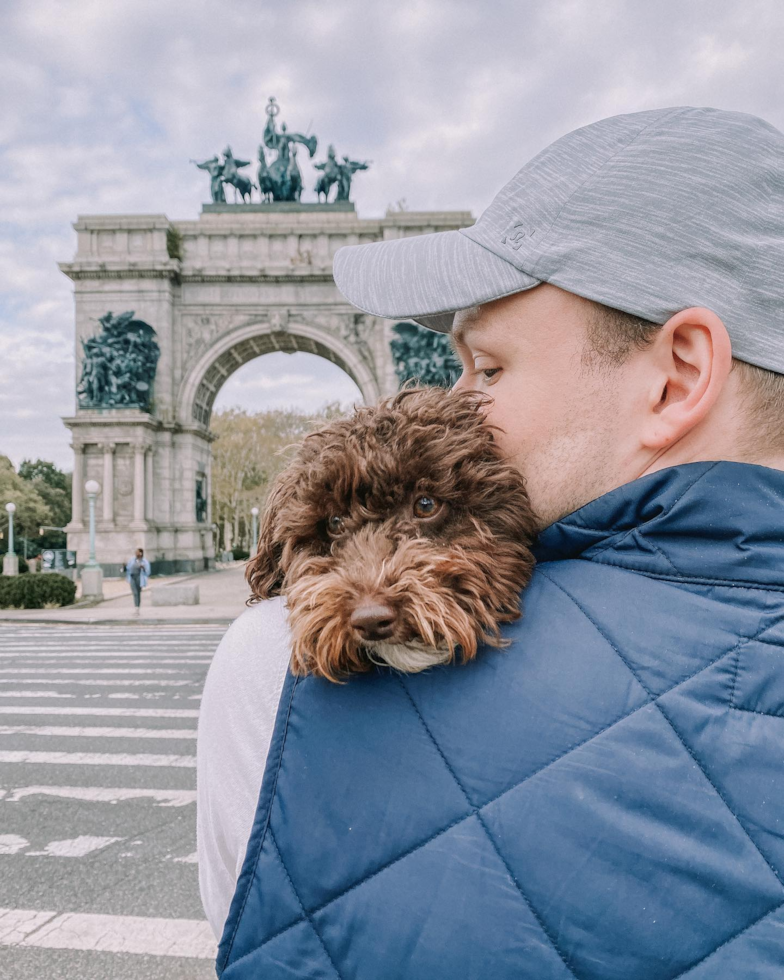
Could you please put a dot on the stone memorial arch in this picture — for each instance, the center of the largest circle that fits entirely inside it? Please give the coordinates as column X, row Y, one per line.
column 166, row 311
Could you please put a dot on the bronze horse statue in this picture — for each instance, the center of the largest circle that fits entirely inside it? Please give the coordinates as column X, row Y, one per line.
column 231, row 175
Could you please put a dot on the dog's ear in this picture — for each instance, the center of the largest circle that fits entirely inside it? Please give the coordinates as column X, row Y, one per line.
column 264, row 570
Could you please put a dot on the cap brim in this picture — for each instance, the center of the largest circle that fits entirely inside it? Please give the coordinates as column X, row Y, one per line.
column 425, row 278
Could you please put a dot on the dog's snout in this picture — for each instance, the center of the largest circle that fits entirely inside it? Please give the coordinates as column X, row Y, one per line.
column 373, row 621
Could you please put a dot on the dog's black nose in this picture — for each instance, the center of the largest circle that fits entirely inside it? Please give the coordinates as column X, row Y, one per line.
column 373, row 621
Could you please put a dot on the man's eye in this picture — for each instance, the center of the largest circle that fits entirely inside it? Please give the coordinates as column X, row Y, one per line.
column 425, row 507
column 335, row 524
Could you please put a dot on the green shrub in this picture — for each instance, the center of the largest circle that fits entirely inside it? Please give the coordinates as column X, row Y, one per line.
column 33, row 591
column 240, row 554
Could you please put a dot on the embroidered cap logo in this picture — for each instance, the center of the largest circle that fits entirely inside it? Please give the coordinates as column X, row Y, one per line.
column 516, row 234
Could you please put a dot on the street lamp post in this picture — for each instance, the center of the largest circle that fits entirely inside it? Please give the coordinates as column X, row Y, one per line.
column 10, row 561
column 254, row 543
column 92, row 573
column 93, row 488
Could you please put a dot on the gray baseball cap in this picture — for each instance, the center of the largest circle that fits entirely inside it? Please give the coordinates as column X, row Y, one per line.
column 650, row 213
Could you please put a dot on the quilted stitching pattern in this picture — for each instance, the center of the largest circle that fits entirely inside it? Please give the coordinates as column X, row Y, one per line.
column 470, row 811
column 525, row 825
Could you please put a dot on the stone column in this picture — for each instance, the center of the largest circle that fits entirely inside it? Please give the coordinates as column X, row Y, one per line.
column 138, row 484
column 77, row 489
column 108, row 482
column 148, row 458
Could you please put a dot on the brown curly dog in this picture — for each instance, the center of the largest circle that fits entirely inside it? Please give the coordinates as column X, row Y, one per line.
column 396, row 535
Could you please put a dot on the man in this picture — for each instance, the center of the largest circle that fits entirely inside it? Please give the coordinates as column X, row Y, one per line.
column 604, row 799
column 137, row 571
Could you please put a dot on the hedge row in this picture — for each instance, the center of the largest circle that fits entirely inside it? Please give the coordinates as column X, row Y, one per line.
column 33, row 591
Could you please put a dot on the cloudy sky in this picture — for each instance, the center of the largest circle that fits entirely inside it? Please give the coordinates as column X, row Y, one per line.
column 103, row 104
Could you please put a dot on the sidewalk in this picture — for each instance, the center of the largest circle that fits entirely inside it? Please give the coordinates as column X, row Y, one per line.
column 222, row 596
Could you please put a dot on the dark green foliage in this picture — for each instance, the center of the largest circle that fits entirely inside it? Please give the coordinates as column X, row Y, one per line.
column 33, row 591
column 424, row 355
column 174, row 243
column 42, row 469
column 54, row 488
column 240, row 554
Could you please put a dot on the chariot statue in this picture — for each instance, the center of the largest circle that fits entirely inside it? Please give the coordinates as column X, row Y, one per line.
column 280, row 179
column 283, row 176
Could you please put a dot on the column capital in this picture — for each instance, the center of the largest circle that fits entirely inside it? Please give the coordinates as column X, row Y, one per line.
column 108, row 447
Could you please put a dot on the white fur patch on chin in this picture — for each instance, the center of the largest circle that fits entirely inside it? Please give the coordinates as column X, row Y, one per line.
column 410, row 658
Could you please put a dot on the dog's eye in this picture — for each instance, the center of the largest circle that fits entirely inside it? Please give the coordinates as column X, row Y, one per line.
column 335, row 524
column 425, row 507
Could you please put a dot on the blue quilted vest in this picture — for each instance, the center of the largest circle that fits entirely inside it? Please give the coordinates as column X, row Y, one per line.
column 603, row 800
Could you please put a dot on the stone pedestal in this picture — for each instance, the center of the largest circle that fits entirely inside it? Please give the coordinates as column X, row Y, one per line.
column 10, row 565
column 92, row 582
column 176, row 595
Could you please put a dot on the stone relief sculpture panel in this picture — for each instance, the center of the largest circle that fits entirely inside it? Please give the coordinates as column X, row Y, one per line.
column 423, row 354
column 119, row 364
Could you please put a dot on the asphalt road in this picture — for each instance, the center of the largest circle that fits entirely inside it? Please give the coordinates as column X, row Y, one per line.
column 98, row 873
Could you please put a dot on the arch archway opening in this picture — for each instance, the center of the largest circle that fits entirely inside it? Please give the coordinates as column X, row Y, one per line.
column 248, row 349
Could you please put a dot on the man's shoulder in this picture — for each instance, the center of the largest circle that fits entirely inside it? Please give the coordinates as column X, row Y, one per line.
column 255, row 647
column 264, row 617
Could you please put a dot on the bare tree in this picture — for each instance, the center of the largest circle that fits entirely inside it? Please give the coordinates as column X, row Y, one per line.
column 249, row 452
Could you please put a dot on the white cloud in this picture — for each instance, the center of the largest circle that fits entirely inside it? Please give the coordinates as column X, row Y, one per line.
column 105, row 103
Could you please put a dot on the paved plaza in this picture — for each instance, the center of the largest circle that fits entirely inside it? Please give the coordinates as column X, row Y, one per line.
column 98, row 872
column 222, row 596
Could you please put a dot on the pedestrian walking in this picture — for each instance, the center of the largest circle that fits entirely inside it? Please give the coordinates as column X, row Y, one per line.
column 137, row 571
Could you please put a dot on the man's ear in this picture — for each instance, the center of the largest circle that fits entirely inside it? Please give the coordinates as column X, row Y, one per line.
column 691, row 360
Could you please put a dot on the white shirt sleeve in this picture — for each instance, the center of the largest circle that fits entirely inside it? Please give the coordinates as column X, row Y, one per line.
column 236, row 721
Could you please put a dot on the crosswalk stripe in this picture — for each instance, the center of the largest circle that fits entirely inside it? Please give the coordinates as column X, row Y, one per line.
column 109, row 657
column 126, row 696
column 32, row 757
column 116, row 712
column 34, row 694
column 66, row 731
column 100, row 794
column 73, row 847
column 147, row 671
column 97, row 683
column 95, row 629
column 55, row 660
column 150, row 641
column 92, row 643
column 107, row 933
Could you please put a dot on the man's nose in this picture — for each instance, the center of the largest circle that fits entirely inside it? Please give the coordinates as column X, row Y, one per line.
column 373, row 620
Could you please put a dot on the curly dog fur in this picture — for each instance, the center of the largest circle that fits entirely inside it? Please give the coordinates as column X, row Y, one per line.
column 396, row 536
